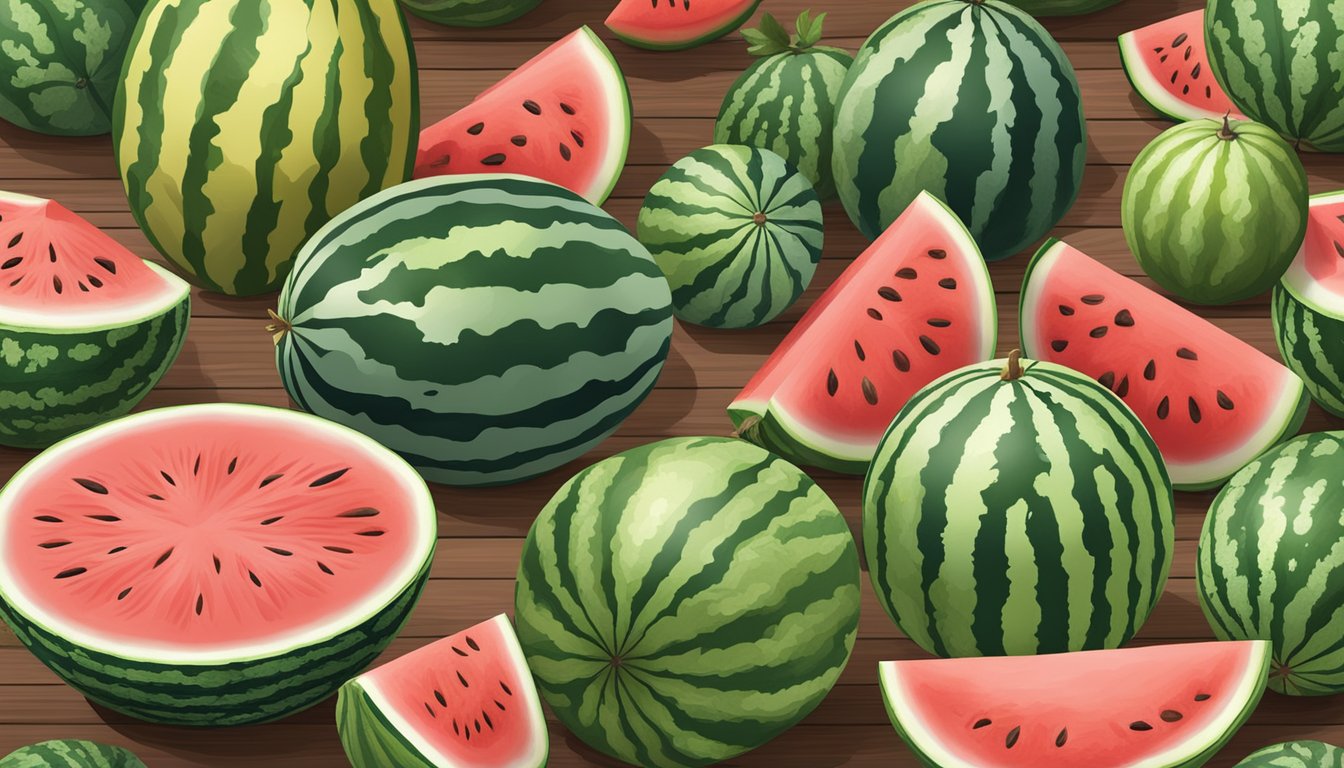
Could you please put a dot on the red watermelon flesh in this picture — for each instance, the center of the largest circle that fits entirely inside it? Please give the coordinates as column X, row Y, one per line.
column 669, row 25
column 1317, row 274
column 1166, row 705
column 1211, row 401
column 916, row 304
column 564, row 116
column 1167, row 64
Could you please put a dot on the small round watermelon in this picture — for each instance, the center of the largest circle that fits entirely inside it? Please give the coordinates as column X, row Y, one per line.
column 470, row 13
column 1295, row 754
column 1308, row 308
column 738, row 233
column 70, row 753
column 1017, row 507
column 687, row 601
column 1215, row 211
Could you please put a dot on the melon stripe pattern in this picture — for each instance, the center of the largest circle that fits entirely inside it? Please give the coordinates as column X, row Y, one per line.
column 237, row 138
column 70, row 753
column 1312, row 346
column 1295, row 754
column 470, row 13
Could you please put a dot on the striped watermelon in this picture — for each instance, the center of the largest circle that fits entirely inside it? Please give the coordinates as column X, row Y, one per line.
column 1269, row 562
column 785, row 101
column 1215, row 212
column 686, row 601
column 237, row 138
column 1017, row 509
column 1309, row 305
column 1296, row 754
column 973, row 102
column 1062, row 7
column 70, row 753
column 1280, row 63
column 488, row 328
column 738, row 233
column 470, row 13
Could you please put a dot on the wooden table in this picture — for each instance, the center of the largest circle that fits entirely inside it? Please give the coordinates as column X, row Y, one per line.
column 228, row 357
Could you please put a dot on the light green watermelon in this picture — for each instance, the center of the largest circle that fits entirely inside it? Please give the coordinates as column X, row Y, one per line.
column 1214, row 212
column 1062, row 7
column 1017, row 508
column 738, row 233
column 686, row 601
column 1309, row 305
column 1295, row 754
column 470, row 13
column 1269, row 562
column 785, row 101
column 974, row 102
column 70, row 753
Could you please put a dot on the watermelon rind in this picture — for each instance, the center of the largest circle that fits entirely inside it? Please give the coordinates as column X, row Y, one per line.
column 214, row 687
column 612, row 79
column 672, row 44
column 71, row 753
column 1295, row 754
column 470, row 13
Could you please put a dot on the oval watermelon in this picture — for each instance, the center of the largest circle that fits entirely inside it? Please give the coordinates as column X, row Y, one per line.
column 673, row 25
column 1295, row 754
column 1168, row 65
column 1309, row 305
column 70, row 753
column 470, row 13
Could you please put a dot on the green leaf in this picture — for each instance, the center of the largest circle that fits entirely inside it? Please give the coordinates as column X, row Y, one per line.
column 759, row 44
column 810, row 34
column 774, row 32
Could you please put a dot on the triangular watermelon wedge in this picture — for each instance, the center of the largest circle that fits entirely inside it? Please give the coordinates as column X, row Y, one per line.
column 1155, row 707
column 1167, row 64
column 563, row 116
column 1309, row 305
column 672, row 25
column 1211, row 401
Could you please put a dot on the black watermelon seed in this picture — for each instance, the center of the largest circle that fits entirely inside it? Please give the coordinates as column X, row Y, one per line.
column 281, row 552
column 532, row 106
column 1093, row 299
column 1224, row 401
column 937, row 253
column 889, row 294
column 156, row 497
column 51, row 252
column 256, row 581
column 1059, row 345
column 48, row 519
column 499, row 705
column 459, row 651
column 360, row 512
column 869, row 391
column 476, row 129
column 938, row 322
column 164, row 557
column 430, row 710
column 339, row 550
column 168, row 477
column 907, row 273
column 486, row 718
column 873, row 313
column 271, row 520
column 68, row 572
column 505, row 688
column 1186, row 354
column 472, row 644
column 371, row 532
column 858, row 350
column 564, row 151
column 929, row 345
column 92, row 486
column 1123, row 388
column 1194, row 411
column 265, row 481
column 568, row 110
column 115, row 550
column 1107, row 379
column 196, row 470
column 1202, row 697
column 105, row 518
column 496, row 159
column 1180, row 40
column 328, row 478
column 981, row 723
column 1011, row 738
column 16, row 240
column 323, row 567
column 53, row 544
column 901, row 360
column 519, row 141
column 462, row 680
column 1062, row 737
column 577, row 137
column 94, row 281
column 107, row 264
column 1124, row 319
column 200, row 604
column 1139, row 725
column 233, row 465
column 1065, row 310
column 12, row 263
column 832, row 383
column 82, row 287
column 1150, row 370
column 1163, row 408
column 123, row 593
column 218, row 565
column 442, row 701
column 56, row 283
column 947, row 283
column 1194, row 73
column 1099, row 331
column 1170, row 715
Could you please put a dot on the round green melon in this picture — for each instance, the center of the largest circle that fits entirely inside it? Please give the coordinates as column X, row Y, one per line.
column 70, row 753
column 489, row 328
column 738, row 233
column 1017, row 508
column 1062, row 7
column 1295, row 754
column 470, row 13
column 687, row 601
column 1215, row 212
column 1269, row 565
column 972, row 101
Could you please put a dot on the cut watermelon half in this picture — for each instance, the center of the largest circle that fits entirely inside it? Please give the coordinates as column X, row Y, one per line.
column 1168, row 67
column 1308, row 307
column 1316, row 276
column 1155, row 707
column 673, row 25
column 1211, row 401
column 917, row 304
column 466, row 701
column 564, row 116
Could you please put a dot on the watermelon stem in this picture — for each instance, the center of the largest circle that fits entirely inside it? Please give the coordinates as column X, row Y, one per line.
column 278, row 326
column 1226, row 133
column 1013, row 370
column 759, row 219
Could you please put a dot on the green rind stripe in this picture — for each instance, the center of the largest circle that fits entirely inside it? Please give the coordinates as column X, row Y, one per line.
column 1295, row 754
column 470, row 13
column 1312, row 345
column 70, row 753
column 368, row 738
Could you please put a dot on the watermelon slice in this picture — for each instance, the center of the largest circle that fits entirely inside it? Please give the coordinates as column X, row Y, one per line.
column 466, row 701
column 1309, row 305
column 212, row 564
column 1165, row 705
column 1168, row 67
column 917, row 304
column 1316, row 276
column 672, row 25
column 1211, row 401
column 563, row 116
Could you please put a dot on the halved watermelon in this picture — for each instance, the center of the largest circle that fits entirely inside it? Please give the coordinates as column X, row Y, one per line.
column 1153, row 707
column 1309, row 305
column 1211, row 401
column 673, row 25
column 466, row 701
column 917, row 304
column 563, row 116
column 1168, row 67
column 212, row 564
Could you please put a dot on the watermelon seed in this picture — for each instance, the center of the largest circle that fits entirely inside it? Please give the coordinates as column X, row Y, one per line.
column 200, row 603
column 568, row 110
column 163, row 558
column 430, row 710
column 948, row 283
column 1194, row 73
column 1123, row 389
column 1059, row 345
column 486, row 717
column 90, row 485
column 272, row 520
column 53, row 544
column 1186, row 354
column 873, row 313
column 1107, row 379
column 1150, row 370
column 1170, row 715
column 472, row 644
column 233, row 465
column 360, row 512
column 476, row 129
column 901, row 360
column 1194, row 411
column 564, row 151
column 1093, row 299
column 519, row 141
column 1065, row 310
column 1180, row 40
column 254, row 578
column 15, row 281
column 889, row 294
column 12, row 262
column 1208, row 91
column 105, row 518
column 48, row 519
column 462, row 680
column 82, row 287
column 439, row 696
column 115, row 550
column 168, row 477
column 1202, row 697
column 16, row 240
column 1139, row 725
column 532, row 106
column 1163, row 408
column 506, row 688
column 196, row 469
column 269, row 479
column 323, row 567
column 122, row 595
column 455, row 728
column 1339, row 248
column 1174, row 75
column 478, row 725
column 981, row 723
column 1224, row 401
column 1012, row 736
column 1062, row 737
column 156, row 497
column 832, row 383
column 459, row 651
column 1162, row 58
column 371, row 532
column 930, row 345
column 907, row 273
column 495, row 159
column 577, row 137
column 217, row 563
column 858, row 350
column 1099, row 331
column 68, row 572
column 56, row 283
column 468, row 732
column 329, row 478
column 501, row 706
column 1124, row 319
column 108, row 264
column 938, row 253
column 339, row 550
column 51, row 252
column 869, row 391
column 94, row 281
column 281, row 552
column 1188, row 51
column 938, row 322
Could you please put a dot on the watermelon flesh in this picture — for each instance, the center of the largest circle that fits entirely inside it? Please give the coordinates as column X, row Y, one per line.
column 670, row 25
column 1316, row 276
column 1211, row 401
column 1167, row 64
column 1166, row 705
column 466, row 701
column 916, row 304
column 563, row 116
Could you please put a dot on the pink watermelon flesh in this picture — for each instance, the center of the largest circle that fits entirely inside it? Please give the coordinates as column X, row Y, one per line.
column 1317, row 274
column 916, row 304
column 221, row 530
column 1168, row 67
column 1166, row 705
column 1211, row 401
column 564, row 116
column 677, row 24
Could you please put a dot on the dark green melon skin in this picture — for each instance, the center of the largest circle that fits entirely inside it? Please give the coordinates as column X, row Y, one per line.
column 1296, row 754
column 1312, row 345
column 1062, row 7
column 71, row 753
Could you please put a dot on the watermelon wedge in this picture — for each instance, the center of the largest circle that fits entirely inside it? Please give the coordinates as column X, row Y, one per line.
column 672, row 25
column 466, row 701
column 1169, row 69
column 1161, row 706
column 917, row 304
column 1211, row 401
column 1309, row 305
column 563, row 116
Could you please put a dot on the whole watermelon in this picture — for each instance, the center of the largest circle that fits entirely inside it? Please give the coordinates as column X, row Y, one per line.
column 238, row 138
column 686, row 601
column 1062, row 7
column 488, row 328
column 1295, row 754
column 60, row 61
column 1017, row 508
column 1215, row 213
column 470, row 13
column 1269, row 562
column 70, row 753
column 1280, row 63
column 972, row 101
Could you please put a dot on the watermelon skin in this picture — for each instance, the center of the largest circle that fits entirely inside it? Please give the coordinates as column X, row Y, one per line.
column 542, row 363
column 470, row 13
column 699, row 221
column 1267, row 564
column 1308, row 308
column 1215, row 213
column 70, row 753
column 983, row 489
column 733, row 615
column 982, row 75
column 259, row 152
column 1295, row 754
column 666, row 25
column 1168, row 54
column 1062, row 7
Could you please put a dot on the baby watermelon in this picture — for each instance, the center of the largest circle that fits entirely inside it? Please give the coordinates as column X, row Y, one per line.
column 466, row 701
column 70, row 753
column 212, row 564
column 1169, row 68
column 1309, row 305
column 670, row 25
